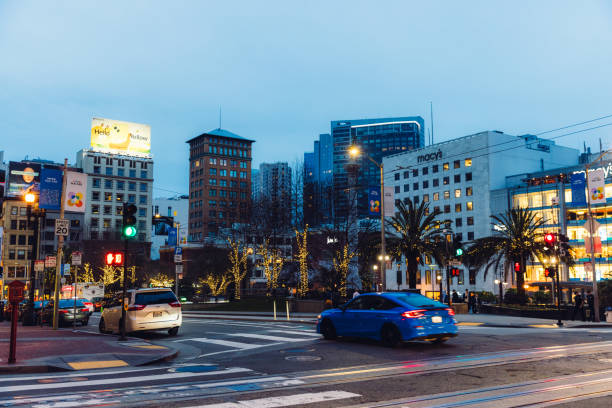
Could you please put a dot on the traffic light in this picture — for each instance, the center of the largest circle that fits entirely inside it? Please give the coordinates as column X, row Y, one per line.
column 455, row 272
column 458, row 252
column 517, row 267
column 549, row 239
column 114, row 258
column 129, row 221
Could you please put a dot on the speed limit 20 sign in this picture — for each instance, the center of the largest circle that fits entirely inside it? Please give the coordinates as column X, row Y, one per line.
column 62, row 227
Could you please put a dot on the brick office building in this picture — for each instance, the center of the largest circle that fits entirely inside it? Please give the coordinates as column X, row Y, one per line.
column 219, row 183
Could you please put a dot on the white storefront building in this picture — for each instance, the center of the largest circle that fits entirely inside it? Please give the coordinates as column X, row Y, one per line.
column 457, row 177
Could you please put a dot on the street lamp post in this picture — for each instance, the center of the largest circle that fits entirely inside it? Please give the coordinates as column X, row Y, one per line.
column 448, row 235
column 30, row 198
column 355, row 151
column 591, row 235
column 439, row 279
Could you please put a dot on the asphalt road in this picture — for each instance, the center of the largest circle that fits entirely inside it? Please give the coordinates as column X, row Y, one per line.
column 231, row 364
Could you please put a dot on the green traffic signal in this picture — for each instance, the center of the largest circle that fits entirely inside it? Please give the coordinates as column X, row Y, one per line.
column 129, row 231
column 459, row 252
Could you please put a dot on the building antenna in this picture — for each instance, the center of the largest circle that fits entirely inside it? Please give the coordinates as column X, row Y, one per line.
column 219, row 116
column 432, row 121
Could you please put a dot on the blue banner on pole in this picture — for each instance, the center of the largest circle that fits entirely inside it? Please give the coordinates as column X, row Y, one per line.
column 374, row 200
column 172, row 237
column 578, row 183
column 50, row 189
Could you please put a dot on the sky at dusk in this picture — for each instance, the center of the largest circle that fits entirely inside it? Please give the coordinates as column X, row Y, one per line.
column 282, row 70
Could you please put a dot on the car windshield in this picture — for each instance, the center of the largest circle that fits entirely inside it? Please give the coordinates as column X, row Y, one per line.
column 155, row 298
column 68, row 303
column 416, row 300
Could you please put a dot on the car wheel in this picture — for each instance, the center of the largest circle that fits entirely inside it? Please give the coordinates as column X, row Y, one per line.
column 328, row 330
column 390, row 336
column 440, row 340
column 173, row 331
column 102, row 326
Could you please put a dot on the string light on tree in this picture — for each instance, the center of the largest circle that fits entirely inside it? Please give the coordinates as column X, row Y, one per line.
column 302, row 256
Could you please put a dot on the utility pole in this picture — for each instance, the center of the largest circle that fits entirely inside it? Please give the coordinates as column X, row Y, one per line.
column 383, row 261
column 60, row 251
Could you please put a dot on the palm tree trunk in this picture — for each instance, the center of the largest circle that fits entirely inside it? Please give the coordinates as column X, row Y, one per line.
column 520, row 281
column 411, row 269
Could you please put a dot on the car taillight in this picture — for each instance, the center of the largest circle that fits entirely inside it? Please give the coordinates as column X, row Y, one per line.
column 450, row 311
column 136, row 307
column 412, row 314
column 63, row 311
column 85, row 310
column 175, row 304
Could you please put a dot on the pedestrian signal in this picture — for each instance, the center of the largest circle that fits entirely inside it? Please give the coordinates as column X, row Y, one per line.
column 114, row 258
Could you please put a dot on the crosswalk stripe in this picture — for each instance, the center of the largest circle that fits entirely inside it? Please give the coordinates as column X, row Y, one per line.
column 265, row 337
column 228, row 343
column 286, row 401
column 147, row 378
column 300, row 332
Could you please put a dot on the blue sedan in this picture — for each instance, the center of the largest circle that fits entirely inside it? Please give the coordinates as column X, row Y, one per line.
column 391, row 318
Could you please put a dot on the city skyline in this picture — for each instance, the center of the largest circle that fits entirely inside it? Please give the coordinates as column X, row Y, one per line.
column 118, row 75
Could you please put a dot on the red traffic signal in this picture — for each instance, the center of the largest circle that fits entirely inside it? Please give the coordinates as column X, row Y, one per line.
column 114, row 258
column 517, row 267
column 455, row 272
column 549, row 239
column 547, row 273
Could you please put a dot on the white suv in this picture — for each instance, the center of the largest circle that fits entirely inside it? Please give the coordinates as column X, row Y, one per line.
column 148, row 309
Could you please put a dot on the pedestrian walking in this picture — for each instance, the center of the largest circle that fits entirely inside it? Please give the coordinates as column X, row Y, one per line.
column 476, row 304
column 455, row 296
column 578, row 306
column 466, row 296
column 471, row 303
column 591, row 305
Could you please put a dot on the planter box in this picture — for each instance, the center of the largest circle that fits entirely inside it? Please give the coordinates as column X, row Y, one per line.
column 460, row 308
column 535, row 313
column 307, row 306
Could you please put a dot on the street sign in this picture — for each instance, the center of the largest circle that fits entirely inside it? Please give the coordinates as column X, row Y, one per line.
column 50, row 261
column 76, row 258
column 66, row 270
column 455, row 263
column 63, row 281
column 62, row 226
column 591, row 225
column 15, row 289
column 178, row 250
column 39, row 266
column 178, row 258
column 179, row 269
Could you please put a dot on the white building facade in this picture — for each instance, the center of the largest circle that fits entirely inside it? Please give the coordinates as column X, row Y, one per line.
column 457, row 177
column 113, row 179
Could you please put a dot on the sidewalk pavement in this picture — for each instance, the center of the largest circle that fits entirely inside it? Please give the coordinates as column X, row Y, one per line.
column 479, row 319
column 42, row 349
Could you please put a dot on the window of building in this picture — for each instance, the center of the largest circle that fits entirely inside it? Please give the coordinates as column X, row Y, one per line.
column 445, row 167
column 467, row 162
column 119, row 210
column 425, row 170
column 434, row 168
column 397, row 189
column 23, row 211
column 97, row 170
column 468, row 191
column 120, row 185
column 108, row 183
column 143, row 174
column 425, row 183
column 468, row 176
column 436, row 182
column 469, row 206
column 415, row 186
column 121, row 172
column 21, row 254
column 143, row 187
column 21, row 240
column 428, row 277
column 458, row 207
column 132, row 173
column 406, row 173
column 212, row 160
column 223, row 183
column 222, row 193
column 13, row 224
column 108, row 196
column 11, row 253
column 96, row 183
column 470, row 221
column 436, row 196
column 446, row 180
column 108, row 210
column 143, row 199
column 447, row 208
column 233, row 173
column 212, row 182
column 425, row 198
column 109, row 171
column 132, row 198
column 95, row 195
column 457, row 164
column 437, row 209
column 212, row 213
column 223, row 173
column 415, row 199
column 396, row 176
column 406, row 188
column 457, row 178
column 13, row 239
column 458, row 222
column 470, row 235
column 243, row 174
column 106, row 223
column 95, row 222
column 447, row 194
column 142, row 211
column 132, row 186
column 95, row 209
column 415, row 172
column 457, row 193
column 212, row 192
column 119, row 197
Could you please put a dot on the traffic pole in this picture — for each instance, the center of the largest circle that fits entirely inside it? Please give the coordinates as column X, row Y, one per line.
column 60, row 251
column 124, row 302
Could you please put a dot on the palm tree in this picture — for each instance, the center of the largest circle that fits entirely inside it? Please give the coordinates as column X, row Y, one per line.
column 418, row 230
column 517, row 240
column 445, row 250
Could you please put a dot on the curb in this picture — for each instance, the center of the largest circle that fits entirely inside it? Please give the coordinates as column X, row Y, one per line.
column 249, row 320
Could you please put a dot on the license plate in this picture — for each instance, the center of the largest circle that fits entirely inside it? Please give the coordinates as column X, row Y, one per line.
column 436, row 319
column 157, row 314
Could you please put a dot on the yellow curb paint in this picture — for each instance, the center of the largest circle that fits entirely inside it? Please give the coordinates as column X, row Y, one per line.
column 87, row 365
column 469, row 324
column 543, row 326
column 152, row 347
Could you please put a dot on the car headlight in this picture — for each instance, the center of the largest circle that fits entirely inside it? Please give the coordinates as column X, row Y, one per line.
column 319, row 317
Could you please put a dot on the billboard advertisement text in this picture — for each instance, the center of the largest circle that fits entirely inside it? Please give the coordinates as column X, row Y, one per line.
column 113, row 136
